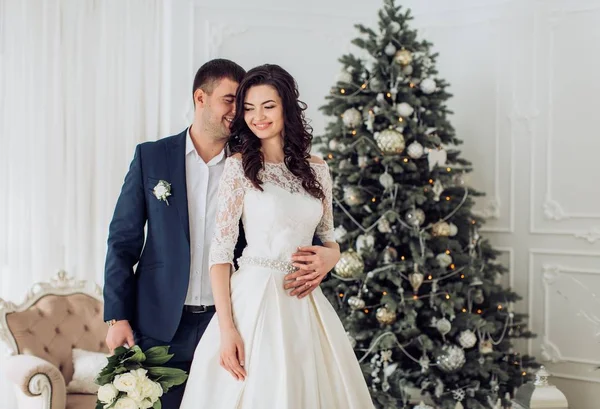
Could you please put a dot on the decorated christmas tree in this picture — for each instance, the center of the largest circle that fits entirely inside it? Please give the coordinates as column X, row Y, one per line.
column 417, row 287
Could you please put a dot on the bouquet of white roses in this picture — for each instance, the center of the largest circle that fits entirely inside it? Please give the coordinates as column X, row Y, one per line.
column 134, row 379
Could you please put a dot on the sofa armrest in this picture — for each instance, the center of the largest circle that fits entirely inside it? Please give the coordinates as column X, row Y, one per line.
column 35, row 376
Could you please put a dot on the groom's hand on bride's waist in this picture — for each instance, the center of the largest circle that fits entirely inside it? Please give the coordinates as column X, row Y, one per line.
column 313, row 264
column 119, row 334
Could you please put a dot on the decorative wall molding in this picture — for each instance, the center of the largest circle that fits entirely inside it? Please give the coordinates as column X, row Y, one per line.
column 549, row 274
column 548, row 18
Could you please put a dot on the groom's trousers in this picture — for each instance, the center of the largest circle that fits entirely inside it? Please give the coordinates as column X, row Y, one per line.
column 183, row 345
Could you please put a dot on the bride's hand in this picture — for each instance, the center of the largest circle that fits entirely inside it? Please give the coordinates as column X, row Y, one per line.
column 232, row 353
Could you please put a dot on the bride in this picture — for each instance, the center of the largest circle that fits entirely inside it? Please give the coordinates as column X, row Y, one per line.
column 264, row 349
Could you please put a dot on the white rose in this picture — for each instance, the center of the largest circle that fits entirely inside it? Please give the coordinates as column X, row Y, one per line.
column 157, row 391
column 160, row 190
column 125, row 403
column 141, row 389
column 107, row 393
column 145, row 404
column 139, row 373
column 126, row 382
column 144, row 390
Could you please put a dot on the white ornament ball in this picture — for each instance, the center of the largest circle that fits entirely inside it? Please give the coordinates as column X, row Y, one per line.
column 444, row 260
column 375, row 84
column 333, row 144
column 352, row 118
column 415, row 150
column 453, row 230
column 339, row 233
column 407, row 70
column 428, row 86
column 467, row 339
column 394, row 27
column 353, row 196
column 344, row 76
column 404, row 109
column 443, row 326
column 386, row 180
column 390, row 49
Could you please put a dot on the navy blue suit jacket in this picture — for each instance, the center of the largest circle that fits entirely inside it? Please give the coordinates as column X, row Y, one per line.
column 152, row 297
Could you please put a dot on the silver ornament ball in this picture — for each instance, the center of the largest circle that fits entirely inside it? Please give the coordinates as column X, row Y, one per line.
column 443, row 326
column 350, row 265
column 356, row 303
column 415, row 150
column 352, row 118
column 451, row 358
column 467, row 339
column 415, row 217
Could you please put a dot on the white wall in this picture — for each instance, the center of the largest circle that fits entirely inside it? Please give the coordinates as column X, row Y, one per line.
column 523, row 75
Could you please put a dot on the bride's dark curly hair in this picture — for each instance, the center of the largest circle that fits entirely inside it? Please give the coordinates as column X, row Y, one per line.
column 297, row 134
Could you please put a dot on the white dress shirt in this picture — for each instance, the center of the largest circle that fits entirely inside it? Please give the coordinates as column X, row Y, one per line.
column 202, row 182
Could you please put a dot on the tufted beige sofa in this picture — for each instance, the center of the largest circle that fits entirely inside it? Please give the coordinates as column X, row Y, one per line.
column 41, row 334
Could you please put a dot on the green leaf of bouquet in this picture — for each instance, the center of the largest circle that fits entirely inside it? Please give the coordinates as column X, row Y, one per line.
column 120, row 370
column 104, row 379
column 136, row 356
column 157, row 405
column 157, row 355
column 167, row 372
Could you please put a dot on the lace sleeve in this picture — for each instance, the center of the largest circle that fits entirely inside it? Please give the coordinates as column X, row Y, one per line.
column 230, row 203
column 325, row 226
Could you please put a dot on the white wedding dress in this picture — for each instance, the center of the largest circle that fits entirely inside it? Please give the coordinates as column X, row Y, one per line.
column 297, row 353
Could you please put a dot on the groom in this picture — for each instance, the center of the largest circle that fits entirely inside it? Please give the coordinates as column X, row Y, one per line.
column 171, row 189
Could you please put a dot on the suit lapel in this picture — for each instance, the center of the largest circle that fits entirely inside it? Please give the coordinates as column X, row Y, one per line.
column 176, row 162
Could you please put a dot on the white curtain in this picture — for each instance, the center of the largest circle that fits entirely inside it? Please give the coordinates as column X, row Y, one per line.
column 80, row 86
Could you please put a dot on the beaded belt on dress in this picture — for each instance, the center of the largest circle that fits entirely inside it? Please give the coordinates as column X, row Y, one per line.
column 267, row 262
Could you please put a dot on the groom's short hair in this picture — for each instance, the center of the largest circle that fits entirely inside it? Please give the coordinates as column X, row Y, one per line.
column 208, row 76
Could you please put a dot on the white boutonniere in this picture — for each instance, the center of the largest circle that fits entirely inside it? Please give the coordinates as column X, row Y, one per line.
column 162, row 190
